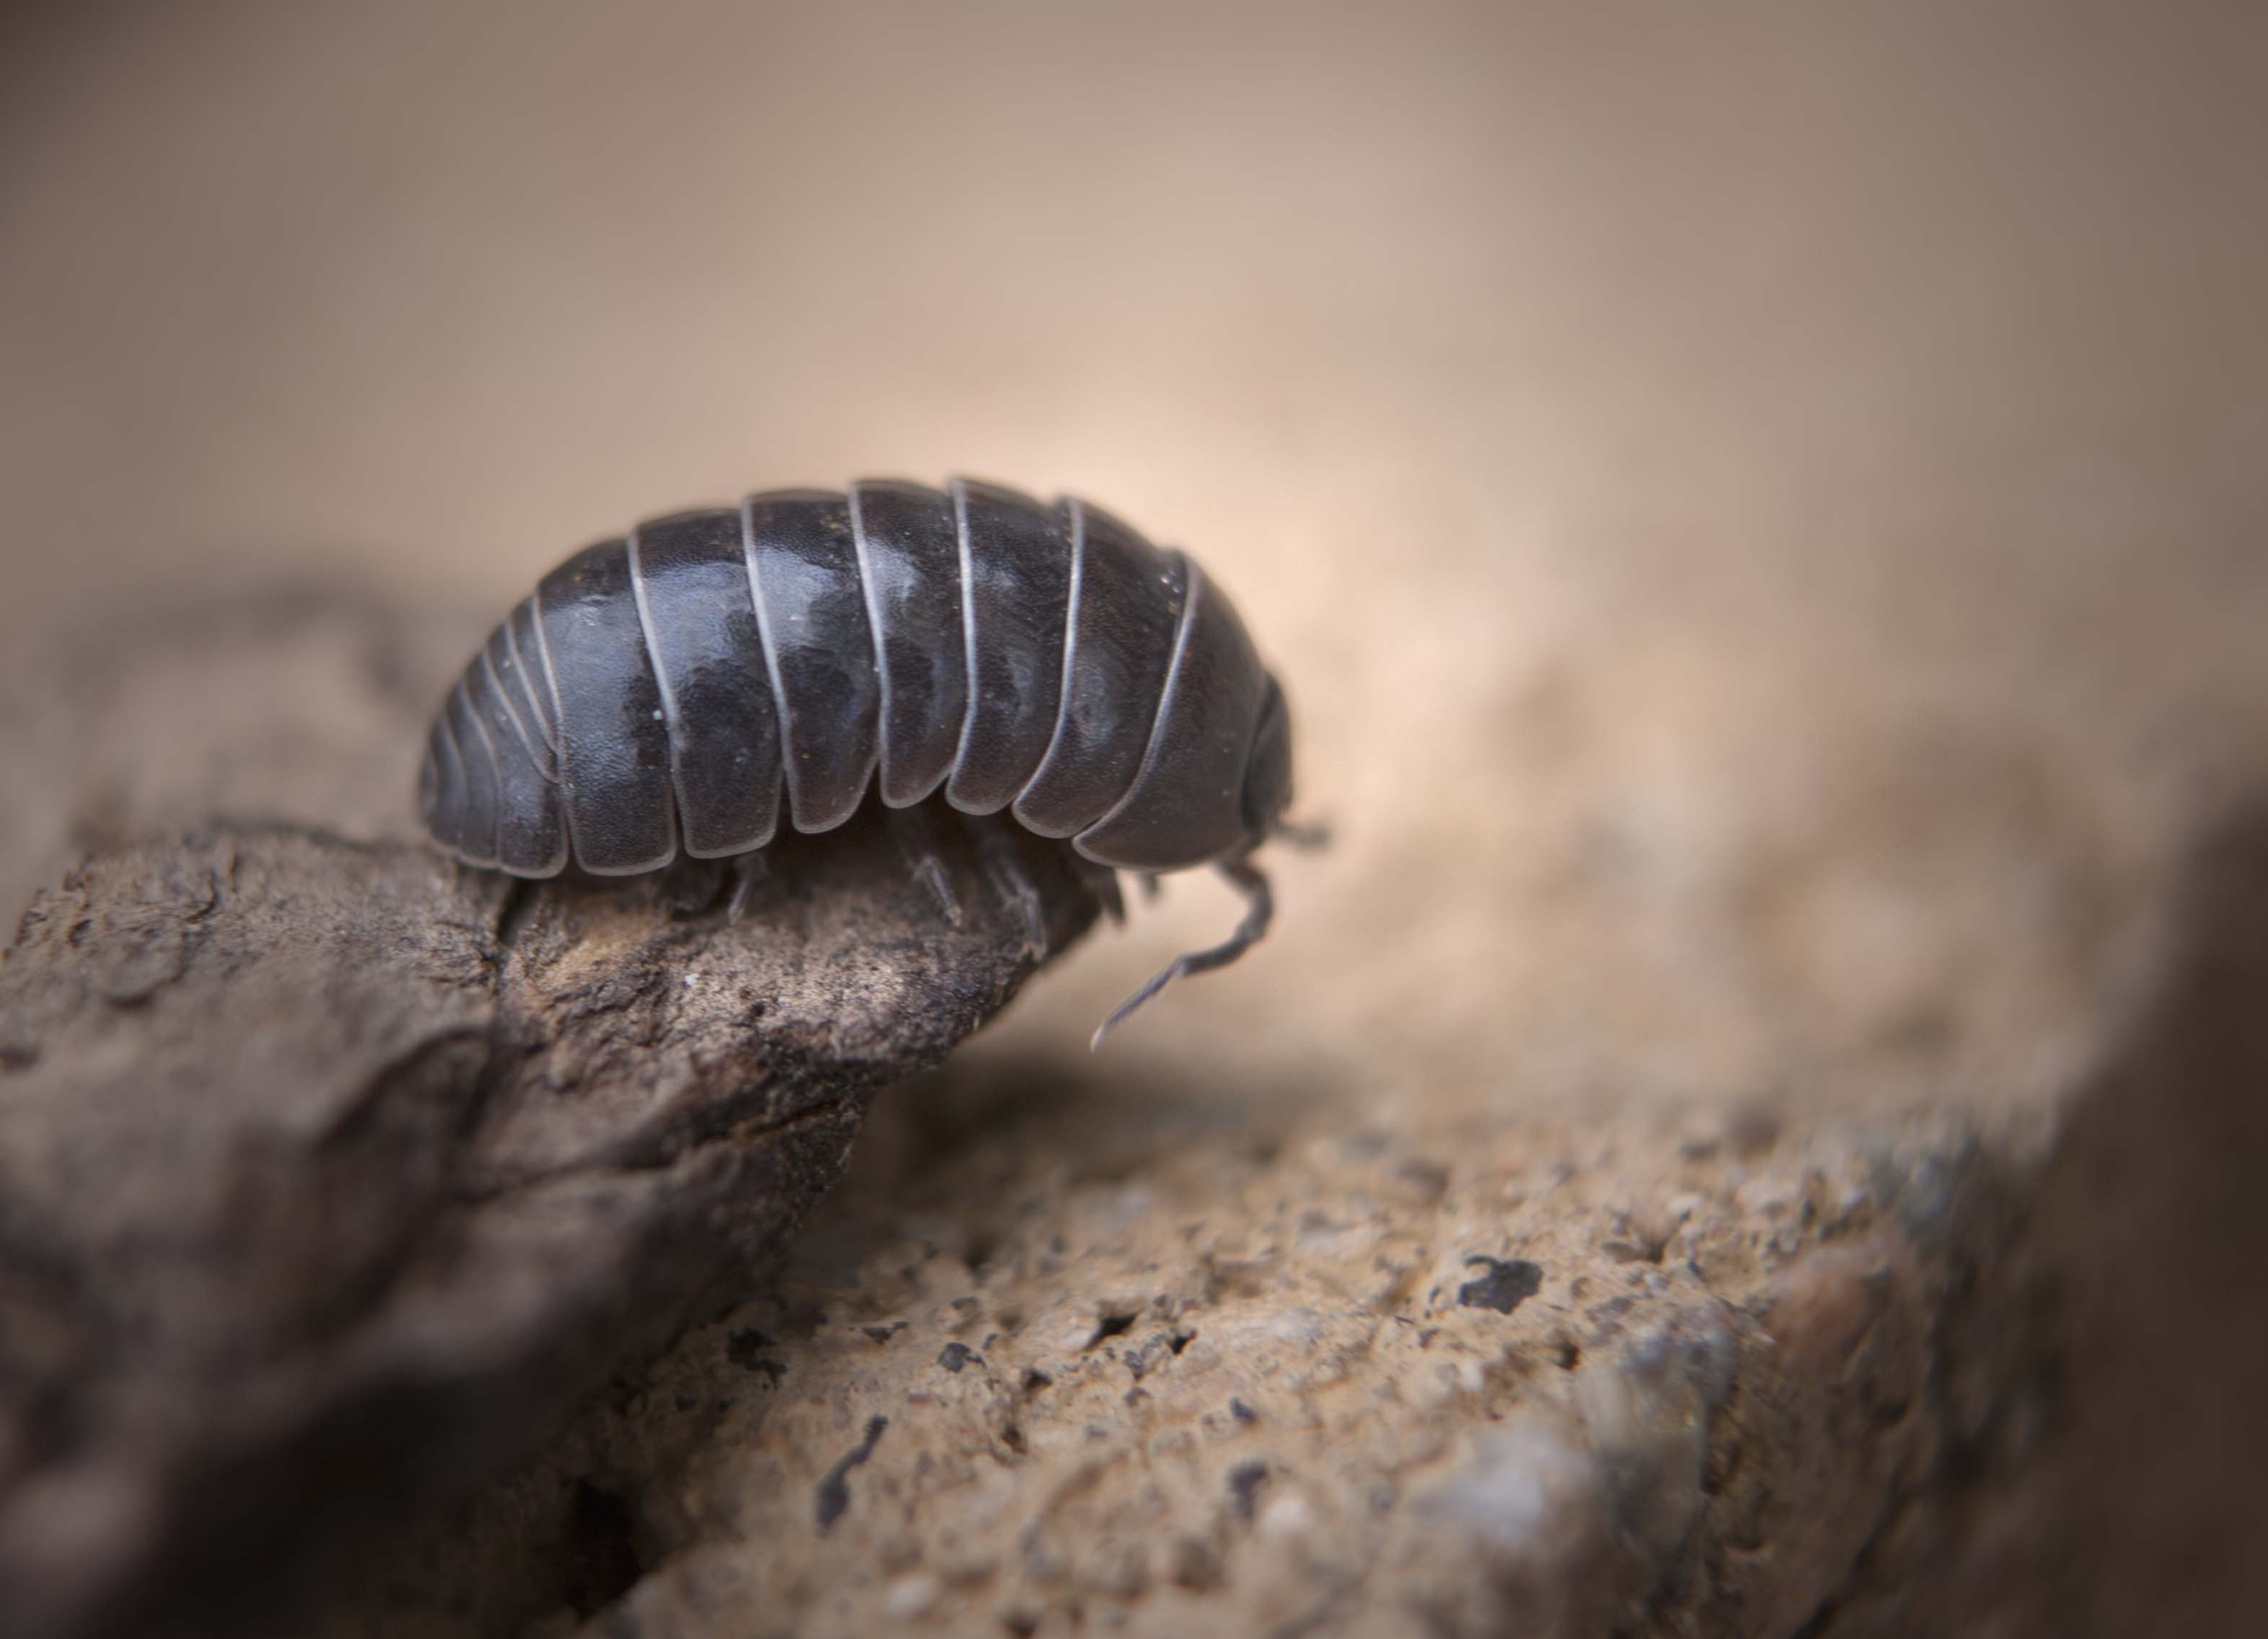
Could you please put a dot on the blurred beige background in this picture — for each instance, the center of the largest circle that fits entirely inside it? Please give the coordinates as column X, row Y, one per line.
column 1760, row 508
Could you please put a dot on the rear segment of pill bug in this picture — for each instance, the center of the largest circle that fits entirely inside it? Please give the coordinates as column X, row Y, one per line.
column 614, row 736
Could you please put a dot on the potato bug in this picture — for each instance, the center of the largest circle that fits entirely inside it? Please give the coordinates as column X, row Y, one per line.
column 673, row 688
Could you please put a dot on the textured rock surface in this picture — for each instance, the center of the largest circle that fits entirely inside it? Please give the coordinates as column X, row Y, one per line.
column 1070, row 1355
column 1508, row 1375
column 332, row 1177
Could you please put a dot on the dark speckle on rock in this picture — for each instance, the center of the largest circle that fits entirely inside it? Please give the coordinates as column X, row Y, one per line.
column 1244, row 1480
column 745, row 1348
column 885, row 1332
column 1508, row 1283
column 1242, row 1412
column 957, row 1355
column 746, row 1344
column 1111, row 1326
column 834, row 1494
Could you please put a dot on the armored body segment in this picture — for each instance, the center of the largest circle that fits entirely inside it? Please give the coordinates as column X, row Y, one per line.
column 531, row 835
column 531, row 676
column 813, row 613
column 501, row 668
column 1016, row 585
column 691, row 577
column 478, row 840
column 442, row 786
column 1125, row 604
column 1187, row 802
column 910, row 561
column 614, row 741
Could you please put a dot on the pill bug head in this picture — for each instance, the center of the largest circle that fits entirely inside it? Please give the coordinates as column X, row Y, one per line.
column 1262, row 804
column 1268, row 774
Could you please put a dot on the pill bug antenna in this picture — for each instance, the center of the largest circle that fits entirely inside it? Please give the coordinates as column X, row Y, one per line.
column 1259, row 908
column 1308, row 836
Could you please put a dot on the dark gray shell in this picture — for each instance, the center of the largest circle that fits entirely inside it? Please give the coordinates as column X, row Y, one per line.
column 669, row 689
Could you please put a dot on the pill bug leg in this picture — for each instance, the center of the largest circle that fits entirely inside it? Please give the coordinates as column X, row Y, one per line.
column 1259, row 908
column 750, row 873
column 912, row 830
column 1102, row 882
column 1011, row 882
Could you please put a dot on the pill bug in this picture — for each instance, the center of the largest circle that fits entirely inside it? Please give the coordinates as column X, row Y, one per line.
column 663, row 690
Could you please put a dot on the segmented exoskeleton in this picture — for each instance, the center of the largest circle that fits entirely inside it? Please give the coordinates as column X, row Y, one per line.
column 660, row 692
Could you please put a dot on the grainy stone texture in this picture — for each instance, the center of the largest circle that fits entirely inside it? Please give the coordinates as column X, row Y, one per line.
column 1076, row 1354
column 332, row 1177
column 1245, row 1391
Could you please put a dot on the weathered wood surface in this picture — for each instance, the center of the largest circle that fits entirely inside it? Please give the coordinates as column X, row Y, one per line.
column 333, row 1177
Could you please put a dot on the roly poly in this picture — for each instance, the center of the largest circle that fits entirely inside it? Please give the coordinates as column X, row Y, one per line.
column 661, row 691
